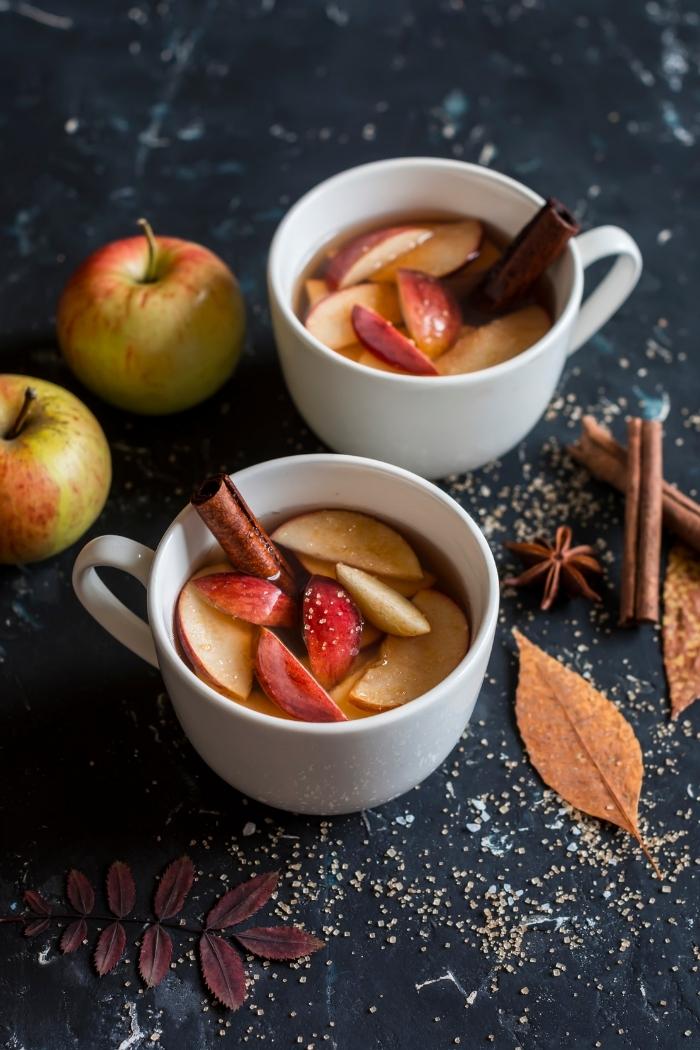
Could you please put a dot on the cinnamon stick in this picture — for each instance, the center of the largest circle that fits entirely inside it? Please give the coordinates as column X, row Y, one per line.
column 643, row 511
column 535, row 248
column 628, row 598
column 606, row 459
column 241, row 536
column 650, row 523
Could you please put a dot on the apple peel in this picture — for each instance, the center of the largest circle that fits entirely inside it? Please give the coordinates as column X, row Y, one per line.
column 332, row 629
column 248, row 598
column 285, row 680
column 431, row 312
column 330, row 319
column 360, row 257
column 385, row 341
column 218, row 647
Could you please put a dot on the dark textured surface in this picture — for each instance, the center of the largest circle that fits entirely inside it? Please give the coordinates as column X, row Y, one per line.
column 211, row 117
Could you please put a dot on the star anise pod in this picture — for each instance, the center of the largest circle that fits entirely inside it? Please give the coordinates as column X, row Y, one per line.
column 555, row 565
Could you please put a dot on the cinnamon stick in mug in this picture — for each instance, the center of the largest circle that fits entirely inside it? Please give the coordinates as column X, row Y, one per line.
column 643, row 517
column 535, row 248
column 239, row 533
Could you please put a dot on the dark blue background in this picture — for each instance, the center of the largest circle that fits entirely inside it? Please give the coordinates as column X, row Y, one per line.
column 211, row 117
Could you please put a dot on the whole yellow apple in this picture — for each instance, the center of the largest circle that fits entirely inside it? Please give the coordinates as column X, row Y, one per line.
column 152, row 324
column 55, row 469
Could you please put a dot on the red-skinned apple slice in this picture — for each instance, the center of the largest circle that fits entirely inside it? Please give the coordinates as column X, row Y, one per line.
column 287, row 682
column 358, row 259
column 247, row 597
column 431, row 312
column 330, row 320
column 452, row 245
column 335, row 535
column 219, row 647
column 383, row 340
column 496, row 342
column 409, row 667
column 331, row 628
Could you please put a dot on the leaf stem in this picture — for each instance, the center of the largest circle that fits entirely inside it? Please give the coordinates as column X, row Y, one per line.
column 21, row 417
column 150, row 272
column 95, row 917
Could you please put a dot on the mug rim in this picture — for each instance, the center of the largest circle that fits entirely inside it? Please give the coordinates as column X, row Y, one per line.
column 482, row 639
column 466, row 379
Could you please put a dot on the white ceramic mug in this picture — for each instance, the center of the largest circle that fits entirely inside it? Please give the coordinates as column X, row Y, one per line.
column 438, row 425
column 301, row 766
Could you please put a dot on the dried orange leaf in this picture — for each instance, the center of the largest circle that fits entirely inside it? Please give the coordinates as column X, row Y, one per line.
column 681, row 628
column 578, row 741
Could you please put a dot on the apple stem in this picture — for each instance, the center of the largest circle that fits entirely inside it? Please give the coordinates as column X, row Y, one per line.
column 21, row 417
column 150, row 272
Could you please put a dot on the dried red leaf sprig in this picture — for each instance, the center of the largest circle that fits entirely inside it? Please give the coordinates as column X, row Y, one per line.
column 221, row 963
column 556, row 565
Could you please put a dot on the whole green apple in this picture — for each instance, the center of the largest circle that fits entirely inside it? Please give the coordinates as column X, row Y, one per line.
column 55, row 469
column 152, row 324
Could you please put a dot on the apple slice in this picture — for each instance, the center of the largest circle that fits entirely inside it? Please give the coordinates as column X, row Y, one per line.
column 360, row 257
column 219, row 648
column 331, row 628
column 452, row 245
column 330, row 320
column 289, row 684
column 496, row 342
column 341, row 692
column 409, row 667
column 319, row 567
column 381, row 604
column 463, row 282
column 353, row 538
column 316, row 289
column 387, row 343
column 247, row 597
column 370, row 360
column 431, row 312
column 354, row 352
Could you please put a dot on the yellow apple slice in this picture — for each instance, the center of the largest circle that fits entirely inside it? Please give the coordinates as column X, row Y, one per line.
column 381, row 604
column 219, row 647
column 341, row 692
column 452, row 245
column 316, row 289
column 409, row 667
column 372, row 361
column 353, row 538
column 353, row 352
column 318, row 567
column 330, row 319
column 496, row 342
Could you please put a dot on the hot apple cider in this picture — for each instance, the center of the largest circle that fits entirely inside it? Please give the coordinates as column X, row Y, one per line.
column 332, row 617
column 435, row 298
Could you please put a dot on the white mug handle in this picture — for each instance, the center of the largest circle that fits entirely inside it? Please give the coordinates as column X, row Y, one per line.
column 115, row 552
column 615, row 287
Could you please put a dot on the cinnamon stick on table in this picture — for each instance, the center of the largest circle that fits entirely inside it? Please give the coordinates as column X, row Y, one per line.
column 241, row 536
column 606, row 459
column 643, row 515
column 524, row 261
